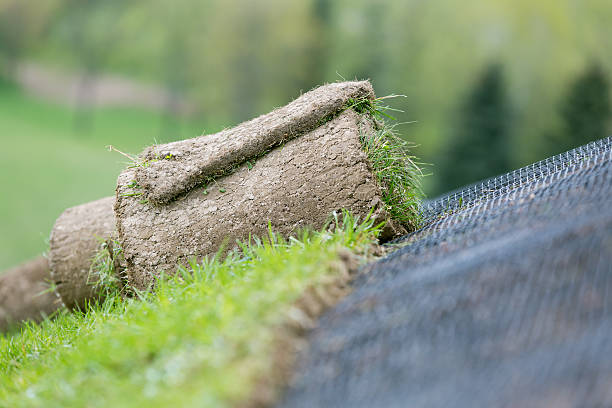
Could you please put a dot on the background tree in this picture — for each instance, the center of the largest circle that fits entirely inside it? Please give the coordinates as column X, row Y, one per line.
column 22, row 23
column 318, row 49
column 12, row 36
column 89, row 27
column 586, row 110
column 479, row 144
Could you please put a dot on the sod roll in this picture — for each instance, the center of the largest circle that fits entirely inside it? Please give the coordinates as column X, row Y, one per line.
column 25, row 294
column 75, row 239
column 294, row 186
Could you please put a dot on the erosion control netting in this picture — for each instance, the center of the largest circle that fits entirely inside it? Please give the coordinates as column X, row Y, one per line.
column 493, row 187
column 504, row 298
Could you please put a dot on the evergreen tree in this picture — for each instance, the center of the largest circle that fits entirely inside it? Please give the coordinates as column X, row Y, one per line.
column 586, row 111
column 479, row 147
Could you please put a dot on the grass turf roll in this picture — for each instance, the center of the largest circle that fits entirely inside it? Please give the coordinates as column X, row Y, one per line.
column 75, row 240
column 25, row 294
column 295, row 186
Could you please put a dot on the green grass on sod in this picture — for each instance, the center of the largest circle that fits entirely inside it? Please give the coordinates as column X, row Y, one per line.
column 398, row 172
column 202, row 339
column 46, row 167
column 396, row 169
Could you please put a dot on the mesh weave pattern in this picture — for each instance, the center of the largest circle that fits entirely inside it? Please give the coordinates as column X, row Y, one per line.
column 496, row 186
column 502, row 299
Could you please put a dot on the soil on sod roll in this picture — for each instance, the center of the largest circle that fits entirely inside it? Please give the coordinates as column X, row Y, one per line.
column 175, row 168
column 292, row 187
column 25, row 294
column 75, row 239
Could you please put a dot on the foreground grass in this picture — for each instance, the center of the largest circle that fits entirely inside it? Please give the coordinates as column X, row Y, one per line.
column 48, row 166
column 202, row 339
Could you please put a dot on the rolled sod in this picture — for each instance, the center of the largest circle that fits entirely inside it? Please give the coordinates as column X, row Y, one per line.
column 294, row 186
column 285, row 170
column 75, row 239
column 25, row 293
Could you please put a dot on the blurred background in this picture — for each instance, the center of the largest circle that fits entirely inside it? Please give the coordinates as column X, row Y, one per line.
column 491, row 85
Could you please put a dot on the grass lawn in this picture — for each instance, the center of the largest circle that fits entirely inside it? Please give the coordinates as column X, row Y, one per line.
column 46, row 166
column 203, row 339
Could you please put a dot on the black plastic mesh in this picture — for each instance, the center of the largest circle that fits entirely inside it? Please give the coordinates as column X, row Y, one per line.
column 493, row 187
column 504, row 299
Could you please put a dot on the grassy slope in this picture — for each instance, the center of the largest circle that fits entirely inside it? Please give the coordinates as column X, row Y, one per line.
column 200, row 340
column 46, row 167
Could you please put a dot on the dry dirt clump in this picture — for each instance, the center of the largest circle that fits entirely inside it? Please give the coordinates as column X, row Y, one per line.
column 25, row 293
